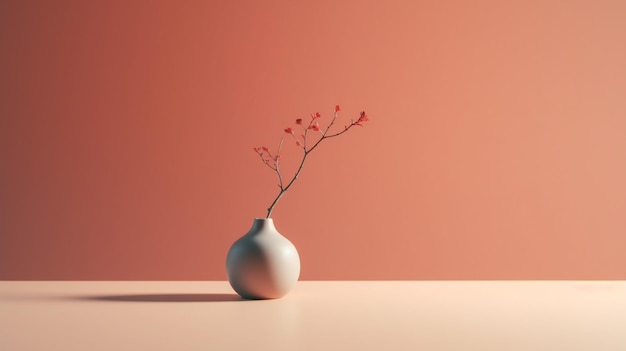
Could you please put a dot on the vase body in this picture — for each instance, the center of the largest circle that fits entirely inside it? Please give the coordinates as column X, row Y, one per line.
column 262, row 264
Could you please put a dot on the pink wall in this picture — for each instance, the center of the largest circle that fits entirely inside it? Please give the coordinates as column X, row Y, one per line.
column 496, row 147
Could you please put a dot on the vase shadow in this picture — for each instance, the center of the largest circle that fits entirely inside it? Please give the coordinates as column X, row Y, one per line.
column 164, row 298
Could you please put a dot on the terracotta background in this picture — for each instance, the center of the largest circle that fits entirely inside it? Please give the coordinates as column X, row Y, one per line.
column 496, row 147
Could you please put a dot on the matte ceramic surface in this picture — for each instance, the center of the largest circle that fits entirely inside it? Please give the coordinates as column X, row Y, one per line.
column 263, row 264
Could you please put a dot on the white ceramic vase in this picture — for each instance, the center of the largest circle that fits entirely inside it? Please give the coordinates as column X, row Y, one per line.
column 262, row 264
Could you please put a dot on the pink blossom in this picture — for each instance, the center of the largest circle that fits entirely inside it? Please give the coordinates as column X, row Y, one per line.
column 315, row 126
column 362, row 118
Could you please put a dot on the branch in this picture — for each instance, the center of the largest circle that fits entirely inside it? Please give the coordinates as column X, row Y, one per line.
column 313, row 124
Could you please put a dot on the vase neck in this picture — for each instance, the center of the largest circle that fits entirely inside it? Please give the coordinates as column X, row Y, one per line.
column 263, row 224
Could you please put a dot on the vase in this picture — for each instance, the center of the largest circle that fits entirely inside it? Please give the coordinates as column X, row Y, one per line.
column 262, row 264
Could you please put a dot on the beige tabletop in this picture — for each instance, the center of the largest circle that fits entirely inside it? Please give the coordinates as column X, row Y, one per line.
column 316, row 315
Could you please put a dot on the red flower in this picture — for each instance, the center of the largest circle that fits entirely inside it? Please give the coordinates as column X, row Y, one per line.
column 362, row 118
column 315, row 115
column 288, row 130
column 299, row 121
column 298, row 143
column 315, row 126
column 337, row 108
column 265, row 149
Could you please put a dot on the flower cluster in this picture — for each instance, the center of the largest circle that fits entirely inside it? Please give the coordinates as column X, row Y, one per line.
column 303, row 141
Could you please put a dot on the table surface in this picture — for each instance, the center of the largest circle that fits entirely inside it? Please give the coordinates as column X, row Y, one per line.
column 316, row 315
